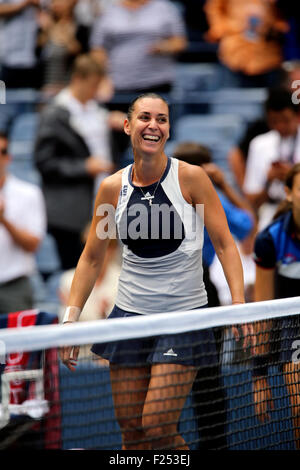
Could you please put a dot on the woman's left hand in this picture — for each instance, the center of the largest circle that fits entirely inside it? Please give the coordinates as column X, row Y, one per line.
column 247, row 332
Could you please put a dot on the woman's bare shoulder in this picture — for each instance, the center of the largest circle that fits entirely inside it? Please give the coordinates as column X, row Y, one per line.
column 188, row 173
column 110, row 188
column 194, row 182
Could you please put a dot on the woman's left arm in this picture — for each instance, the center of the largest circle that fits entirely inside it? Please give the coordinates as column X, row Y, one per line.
column 203, row 192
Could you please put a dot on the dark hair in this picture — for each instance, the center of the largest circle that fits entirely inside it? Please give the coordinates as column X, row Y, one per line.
column 155, row 96
column 286, row 205
column 280, row 99
column 193, row 153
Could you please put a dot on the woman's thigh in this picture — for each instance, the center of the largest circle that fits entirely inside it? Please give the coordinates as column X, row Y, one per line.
column 129, row 390
column 168, row 389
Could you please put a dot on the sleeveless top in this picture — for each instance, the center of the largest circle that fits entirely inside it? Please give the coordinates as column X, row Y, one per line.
column 162, row 246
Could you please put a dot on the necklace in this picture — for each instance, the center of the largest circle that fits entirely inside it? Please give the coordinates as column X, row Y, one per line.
column 149, row 196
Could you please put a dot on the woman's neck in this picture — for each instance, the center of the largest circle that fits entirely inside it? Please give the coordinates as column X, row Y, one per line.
column 146, row 172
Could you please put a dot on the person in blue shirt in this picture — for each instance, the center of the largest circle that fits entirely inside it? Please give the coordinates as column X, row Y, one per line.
column 239, row 214
column 208, row 392
column 277, row 258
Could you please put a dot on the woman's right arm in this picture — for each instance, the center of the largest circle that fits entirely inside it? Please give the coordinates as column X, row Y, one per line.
column 91, row 260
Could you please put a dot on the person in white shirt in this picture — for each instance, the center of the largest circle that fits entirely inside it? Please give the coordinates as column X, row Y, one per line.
column 72, row 153
column 22, row 227
column 272, row 154
column 91, row 122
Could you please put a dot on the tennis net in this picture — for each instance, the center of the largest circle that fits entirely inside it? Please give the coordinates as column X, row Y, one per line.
column 235, row 396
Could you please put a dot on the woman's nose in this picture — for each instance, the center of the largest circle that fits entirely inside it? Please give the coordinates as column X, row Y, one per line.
column 153, row 123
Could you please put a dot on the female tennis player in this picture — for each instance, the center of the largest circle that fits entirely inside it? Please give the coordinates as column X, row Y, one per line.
column 161, row 272
column 277, row 257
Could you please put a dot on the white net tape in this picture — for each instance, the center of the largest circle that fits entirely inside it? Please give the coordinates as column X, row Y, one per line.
column 43, row 337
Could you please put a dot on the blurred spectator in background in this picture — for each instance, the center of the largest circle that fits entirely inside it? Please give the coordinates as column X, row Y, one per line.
column 238, row 155
column 272, row 154
column 139, row 39
column 22, row 227
column 60, row 40
column 19, row 62
column 250, row 35
column 237, row 159
column 72, row 153
column 239, row 213
column 87, row 11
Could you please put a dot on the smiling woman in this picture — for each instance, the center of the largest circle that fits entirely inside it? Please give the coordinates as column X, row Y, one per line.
column 161, row 272
column 148, row 127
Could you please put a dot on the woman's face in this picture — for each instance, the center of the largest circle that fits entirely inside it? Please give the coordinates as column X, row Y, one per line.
column 149, row 125
column 293, row 195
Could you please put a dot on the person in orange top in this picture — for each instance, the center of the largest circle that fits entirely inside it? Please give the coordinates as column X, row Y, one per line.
column 249, row 34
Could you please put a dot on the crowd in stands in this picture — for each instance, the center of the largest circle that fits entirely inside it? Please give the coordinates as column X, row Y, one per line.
column 83, row 61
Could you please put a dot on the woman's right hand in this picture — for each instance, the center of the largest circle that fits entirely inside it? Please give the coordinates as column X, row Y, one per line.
column 69, row 354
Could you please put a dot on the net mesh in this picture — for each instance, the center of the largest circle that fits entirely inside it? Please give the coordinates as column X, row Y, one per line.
column 178, row 380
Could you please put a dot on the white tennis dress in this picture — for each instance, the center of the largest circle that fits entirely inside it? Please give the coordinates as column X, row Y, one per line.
column 162, row 236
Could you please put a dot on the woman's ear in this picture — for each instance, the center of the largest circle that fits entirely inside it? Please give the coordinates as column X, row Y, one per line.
column 126, row 127
column 288, row 194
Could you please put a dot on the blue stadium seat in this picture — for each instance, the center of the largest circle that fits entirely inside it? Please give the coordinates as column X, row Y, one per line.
column 18, row 101
column 193, row 87
column 211, row 130
column 197, row 77
column 46, row 281
column 248, row 111
column 22, row 137
column 24, row 127
column 47, row 257
column 247, row 103
column 218, row 132
column 170, row 147
column 22, row 167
